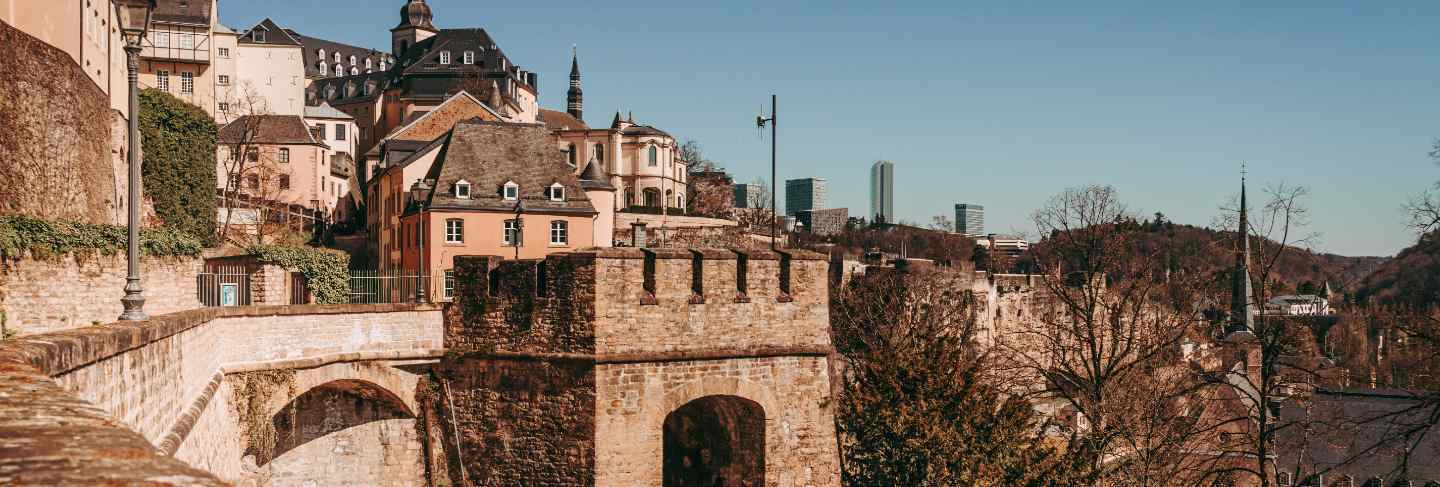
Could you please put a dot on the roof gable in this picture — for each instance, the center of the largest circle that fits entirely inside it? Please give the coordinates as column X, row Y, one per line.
column 274, row 35
column 489, row 154
column 437, row 122
column 267, row 129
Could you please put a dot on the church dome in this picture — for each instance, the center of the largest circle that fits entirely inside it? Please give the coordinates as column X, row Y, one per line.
column 416, row 13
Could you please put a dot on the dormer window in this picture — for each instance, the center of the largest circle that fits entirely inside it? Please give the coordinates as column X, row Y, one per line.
column 556, row 192
column 444, row 57
column 469, row 57
column 324, row 69
column 367, row 63
column 257, row 35
column 511, row 191
column 352, row 59
column 337, row 57
column 320, row 54
column 462, row 189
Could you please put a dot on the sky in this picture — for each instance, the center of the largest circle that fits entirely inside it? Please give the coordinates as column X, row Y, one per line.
column 1002, row 103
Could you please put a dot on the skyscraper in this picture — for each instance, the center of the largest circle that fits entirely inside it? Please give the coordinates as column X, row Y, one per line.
column 747, row 195
column 882, row 192
column 969, row 219
column 804, row 194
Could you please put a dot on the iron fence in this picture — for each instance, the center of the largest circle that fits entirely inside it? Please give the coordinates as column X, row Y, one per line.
column 398, row 286
column 223, row 285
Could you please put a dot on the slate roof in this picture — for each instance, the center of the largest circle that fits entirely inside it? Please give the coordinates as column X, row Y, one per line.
column 183, row 12
column 267, row 129
column 561, row 120
column 313, row 46
column 318, row 90
column 274, row 35
column 490, row 154
column 326, row 111
column 594, row 178
column 1347, row 425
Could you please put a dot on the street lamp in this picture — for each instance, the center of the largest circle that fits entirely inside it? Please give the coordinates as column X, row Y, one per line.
column 760, row 122
column 519, row 226
column 134, row 23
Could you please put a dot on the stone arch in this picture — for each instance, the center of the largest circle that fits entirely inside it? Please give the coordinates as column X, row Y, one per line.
column 774, row 434
column 714, row 441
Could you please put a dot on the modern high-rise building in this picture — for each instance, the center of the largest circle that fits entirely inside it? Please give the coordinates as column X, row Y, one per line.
column 747, row 195
column 882, row 192
column 969, row 219
column 804, row 194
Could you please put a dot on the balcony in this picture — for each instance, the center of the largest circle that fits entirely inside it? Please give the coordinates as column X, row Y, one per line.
column 177, row 54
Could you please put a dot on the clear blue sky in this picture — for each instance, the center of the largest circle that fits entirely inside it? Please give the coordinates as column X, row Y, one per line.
column 998, row 103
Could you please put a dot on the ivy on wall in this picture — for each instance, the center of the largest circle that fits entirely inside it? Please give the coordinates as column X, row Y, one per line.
column 45, row 239
column 178, row 143
column 326, row 271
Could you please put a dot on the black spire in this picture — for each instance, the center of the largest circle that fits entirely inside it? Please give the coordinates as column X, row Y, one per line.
column 416, row 14
column 575, row 99
column 1241, row 293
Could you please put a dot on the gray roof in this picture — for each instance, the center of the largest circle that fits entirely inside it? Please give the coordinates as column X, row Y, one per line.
column 326, row 111
column 1361, row 433
column 274, row 35
column 490, row 154
column 183, row 11
column 313, row 46
column 594, row 178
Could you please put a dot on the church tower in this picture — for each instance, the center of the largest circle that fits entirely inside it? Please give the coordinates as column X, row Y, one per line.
column 575, row 99
column 1242, row 295
column 415, row 26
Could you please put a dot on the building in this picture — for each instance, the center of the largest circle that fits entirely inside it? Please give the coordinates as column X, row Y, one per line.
column 882, row 192
column 803, row 195
column 498, row 188
column 269, row 72
column 179, row 52
column 330, row 59
column 749, row 195
column 1298, row 305
column 1011, row 245
column 227, row 79
column 336, row 129
column 641, row 161
column 283, row 161
column 824, row 222
column 969, row 219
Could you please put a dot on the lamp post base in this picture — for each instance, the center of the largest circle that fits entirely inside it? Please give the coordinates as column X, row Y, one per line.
column 134, row 303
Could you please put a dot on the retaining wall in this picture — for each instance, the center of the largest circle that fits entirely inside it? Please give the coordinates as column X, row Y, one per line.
column 41, row 296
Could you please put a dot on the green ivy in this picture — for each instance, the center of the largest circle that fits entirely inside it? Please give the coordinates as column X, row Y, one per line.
column 326, row 271
column 178, row 143
column 49, row 238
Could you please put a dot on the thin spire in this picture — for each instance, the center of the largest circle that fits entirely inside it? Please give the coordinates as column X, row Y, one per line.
column 1242, row 317
column 575, row 98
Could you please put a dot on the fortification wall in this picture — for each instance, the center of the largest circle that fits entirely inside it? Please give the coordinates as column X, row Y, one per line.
column 70, row 291
column 162, row 381
column 587, row 353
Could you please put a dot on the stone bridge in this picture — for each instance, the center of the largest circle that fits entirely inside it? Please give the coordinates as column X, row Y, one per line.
column 613, row 367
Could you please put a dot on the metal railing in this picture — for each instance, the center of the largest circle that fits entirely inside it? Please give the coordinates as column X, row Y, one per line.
column 223, row 285
column 397, row 286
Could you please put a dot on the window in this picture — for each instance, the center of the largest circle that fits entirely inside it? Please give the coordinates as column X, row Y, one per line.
column 162, row 80
column 161, row 39
column 222, row 51
column 337, row 57
column 223, row 79
column 320, row 53
column 462, row 189
column 320, row 131
column 354, row 70
column 556, row 192
column 559, row 232
column 284, row 155
column 444, row 57
column 511, row 233
column 284, row 181
column 339, row 70
column 600, row 154
column 367, row 63
column 224, row 107
column 1282, row 479
column 654, row 158
column 352, row 60
column 187, row 41
column 258, row 36
column 187, row 82
column 512, row 191
column 324, row 69
column 469, row 57
column 253, row 154
column 449, row 284
column 570, row 156
column 454, row 230
column 339, row 131
column 252, row 181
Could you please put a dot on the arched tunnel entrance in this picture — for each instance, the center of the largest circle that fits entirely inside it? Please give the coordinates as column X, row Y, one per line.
column 715, row 441
column 342, row 432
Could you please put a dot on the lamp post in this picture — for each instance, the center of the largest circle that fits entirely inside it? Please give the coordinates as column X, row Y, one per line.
column 761, row 121
column 519, row 226
column 134, row 23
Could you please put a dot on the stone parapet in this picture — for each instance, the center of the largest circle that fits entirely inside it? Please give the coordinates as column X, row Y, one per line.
column 71, row 291
column 91, row 405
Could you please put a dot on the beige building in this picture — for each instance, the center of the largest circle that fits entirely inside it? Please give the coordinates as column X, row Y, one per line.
column 642, row 162
column 270, row 73
column 178, row 54
column 282, row 161
column 227, row 81
column 87, row 30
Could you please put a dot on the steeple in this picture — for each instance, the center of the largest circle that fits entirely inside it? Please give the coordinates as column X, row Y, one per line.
column 415, row 26
column 1242, row 295
column 575, row 99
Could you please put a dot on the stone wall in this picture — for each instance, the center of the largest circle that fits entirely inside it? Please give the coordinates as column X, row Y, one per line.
column 620, row 338
column 71, row 291
column 154, row 384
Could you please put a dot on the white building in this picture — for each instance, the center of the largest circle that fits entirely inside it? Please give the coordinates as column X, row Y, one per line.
column 1299, row 305
column 1008, row 244
column 270, row 72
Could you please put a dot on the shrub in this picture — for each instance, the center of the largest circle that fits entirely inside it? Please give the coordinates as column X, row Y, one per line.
column 326, row 271
column 178, row 141
column 47, row 238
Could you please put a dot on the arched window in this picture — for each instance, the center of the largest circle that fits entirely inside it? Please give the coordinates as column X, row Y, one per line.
column 324, row 69
column 652, row 197
column 352, row 59
column 654, row 156
column 556, row 192
column 367, row 63
column 337, row 57
column 339, row 70
column 330, row 92
column 600, row 154
column 511, row 191
column 354, row 71
column 320, row 54
column 462, row 189
column 570, row 156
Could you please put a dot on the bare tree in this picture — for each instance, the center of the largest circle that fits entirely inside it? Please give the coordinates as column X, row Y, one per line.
column 253, row 177
column 758, row 215
column 694, row 157
column 1105, row 344
column 942, row 223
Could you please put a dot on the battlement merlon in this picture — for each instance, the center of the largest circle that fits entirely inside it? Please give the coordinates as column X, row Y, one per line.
column 629, row 302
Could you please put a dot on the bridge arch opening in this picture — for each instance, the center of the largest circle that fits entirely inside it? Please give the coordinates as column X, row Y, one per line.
column 329, row 408
column 715, row 441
